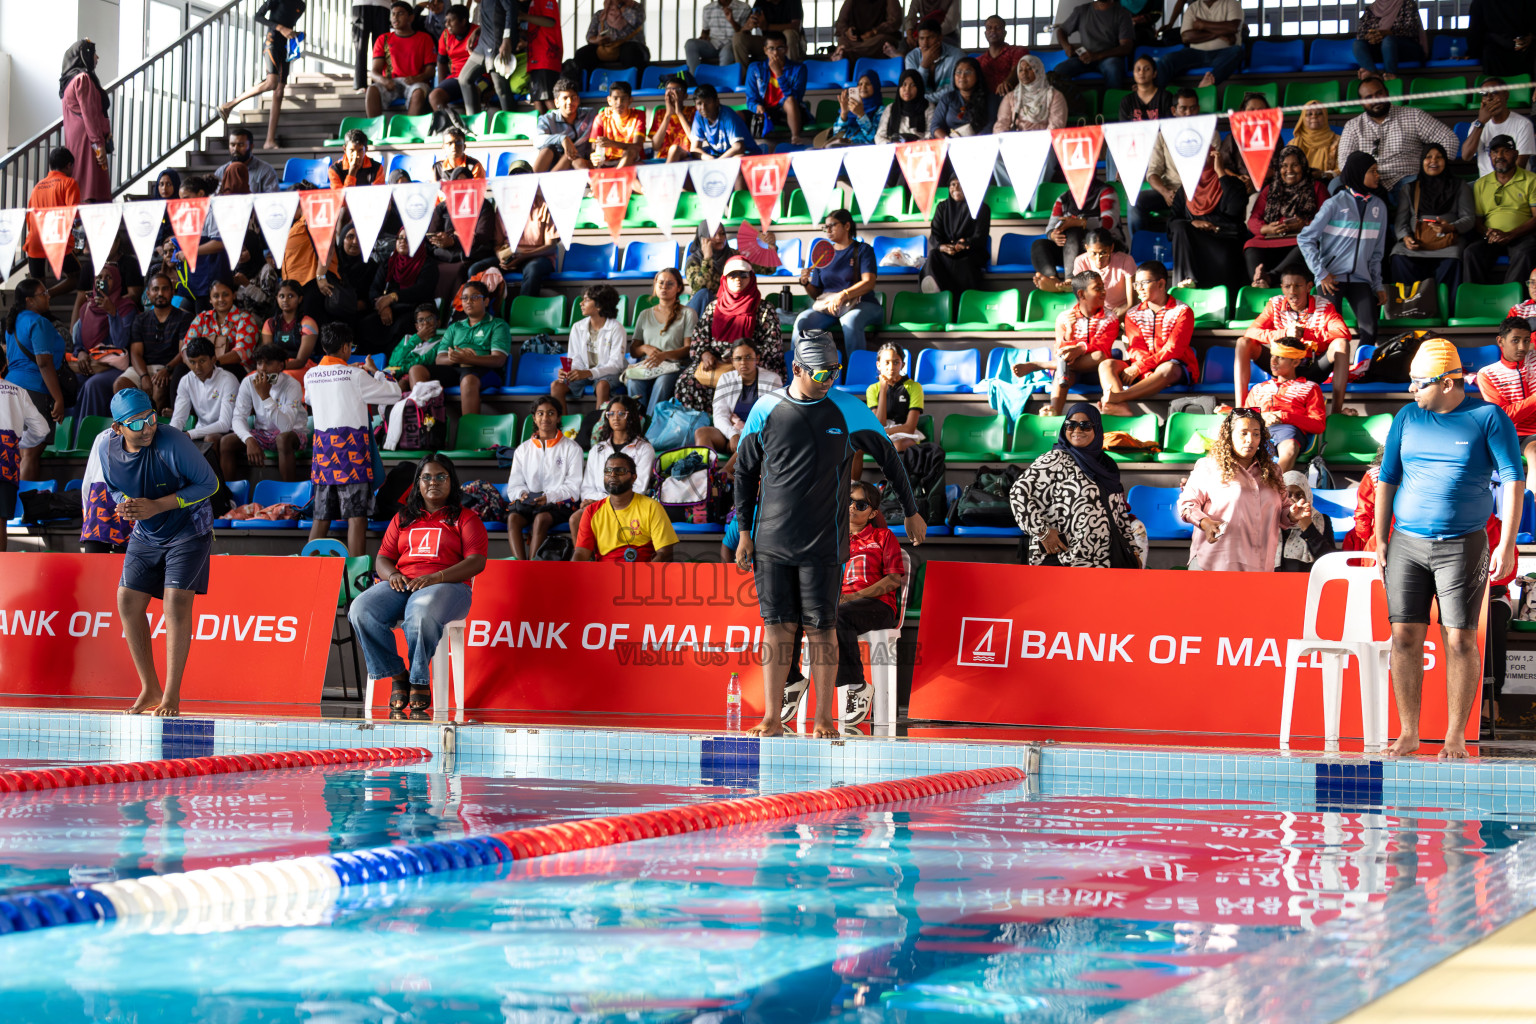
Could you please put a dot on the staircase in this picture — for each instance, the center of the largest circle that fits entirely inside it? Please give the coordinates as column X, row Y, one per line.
column 313, row 106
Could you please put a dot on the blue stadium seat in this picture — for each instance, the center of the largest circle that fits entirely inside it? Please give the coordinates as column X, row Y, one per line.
column 273, row 492
column 534, row 372
column 316, row 172
column 1440, row 52
column 1050, row 58
column 240, row 490
column 725, row 78
column 501, row 165
column 1275, row 57
column 1216, row 373
column 1013, row 254
column 1527, row 531
column 1158, row 508
column 889, row 69
column 650, row 78
column 418, row 165
column 789, row 258
column 599, row 80
column 1145, row 243
column 644, row 259
column 1332, row 55
column 584, row 261
column 1155, row 52
column 1338, row 504
column 917, row 245
column 826, row 74
column 862, row 370
column 29, row 485
column 943, row 372
column 1001, row 360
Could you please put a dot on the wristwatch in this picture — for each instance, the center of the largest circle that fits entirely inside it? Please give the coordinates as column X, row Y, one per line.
column 1475, row 125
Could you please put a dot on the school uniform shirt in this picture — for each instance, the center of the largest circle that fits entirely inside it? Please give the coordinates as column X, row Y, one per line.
column 597, row 460
column 1099, row 331
column 1526, row 310
column 339, row 395
column 733, row 398
column 56, row 189
column 282, row 410
column 1321, row 324
column 21, row 426
column 1299, row 403
column 629, row 534
column 431, row 543
column 406, row 56
column 412, row 351
column 677, row 134
column 1512, row 388
column 551, row 468
column 603, row 352
column 491, row 336
column 98, row 511
column 455, row 50
column 873, row 554
column 211, row 400
column 1157, row 336
column 903, row 398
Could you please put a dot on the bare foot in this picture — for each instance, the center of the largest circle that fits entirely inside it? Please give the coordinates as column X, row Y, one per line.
column 271, row 145
column 1403, row 746
column 825, row 729
column 1363, row 74
column 147, row 700
column 1387, row 76
column 1208, row 81
column 168, row 709
column 1259, row 280
column 1114, row 409
column 1188, row 282
column 766, row 728
column 1454, row 750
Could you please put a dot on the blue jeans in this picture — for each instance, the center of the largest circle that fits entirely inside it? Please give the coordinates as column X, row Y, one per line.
column 1112, row 68
column 1223, row 63
column 1391, row 49
column 651, row 393
column 699, row 299
column 855, row 322
column 375, row 611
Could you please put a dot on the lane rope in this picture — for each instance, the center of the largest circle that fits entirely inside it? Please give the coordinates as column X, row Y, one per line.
column 68, row 776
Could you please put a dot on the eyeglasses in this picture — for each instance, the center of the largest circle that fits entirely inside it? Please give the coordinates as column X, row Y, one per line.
column 434, row 478
column 139, row 423
column 828, row 227
column 859, row 504
column 822, row 376
column 1082, row 425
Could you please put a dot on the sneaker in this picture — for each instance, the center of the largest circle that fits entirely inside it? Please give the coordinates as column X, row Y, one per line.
column 794, row 693
column 856, row 705
column 929, row 285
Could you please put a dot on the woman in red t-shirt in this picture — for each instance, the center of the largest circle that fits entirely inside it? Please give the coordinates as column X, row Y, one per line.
column 431, row 551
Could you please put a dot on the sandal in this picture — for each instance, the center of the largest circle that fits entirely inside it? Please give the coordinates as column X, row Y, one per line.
column 399, row 693
column 421, row 698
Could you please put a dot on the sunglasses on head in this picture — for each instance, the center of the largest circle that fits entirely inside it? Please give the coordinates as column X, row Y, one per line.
column 822, row 376
column 859, row 504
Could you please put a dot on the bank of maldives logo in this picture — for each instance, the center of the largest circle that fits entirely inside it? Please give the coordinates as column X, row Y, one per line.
column 985, row 643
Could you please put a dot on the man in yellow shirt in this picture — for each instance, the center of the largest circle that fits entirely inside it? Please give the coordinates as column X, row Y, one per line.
column 625, row 526
column 1506, row 212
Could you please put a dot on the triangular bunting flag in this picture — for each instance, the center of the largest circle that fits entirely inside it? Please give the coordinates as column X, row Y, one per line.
column 1189, row 145
column 611, row 187
column 232, row 216
column 100, row 221
column 1256, row 132
column 816, row 172
column 973, row 158
column 274, row 214
column 1024, row 155
column 662, row 184
column 54, row 226
column 714, row 181
column 12, row 224
column 415, row 201
column 765, row 176
column 187, row 217
column 368, row 204
column 1077, row 150
column 464, row 198
column 514, row 198
column 322, row 209
column 562, row 194
column 142, row 221
column 920, row 163
column 868, row 169
column 1131, row 144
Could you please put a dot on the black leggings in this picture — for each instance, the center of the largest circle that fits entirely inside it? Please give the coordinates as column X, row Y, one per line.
column 1275, row 261
column 98, row 547
column 853, row 618
column 1046, row 255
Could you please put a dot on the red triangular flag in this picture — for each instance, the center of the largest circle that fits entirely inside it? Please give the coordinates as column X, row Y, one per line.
column 322, row 209
column 1256, row 132
column 920, row 163
column 464, row 198
column 54, row 226
column 1077, row 150
column 611, row 187
column 765, row 180
column 187, row 217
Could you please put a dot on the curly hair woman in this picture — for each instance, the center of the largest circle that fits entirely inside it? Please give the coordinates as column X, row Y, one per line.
column 1236, row 500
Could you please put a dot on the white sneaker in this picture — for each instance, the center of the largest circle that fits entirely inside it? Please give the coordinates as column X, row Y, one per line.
column 794, row 693
column 929, row 286
column 856, row 705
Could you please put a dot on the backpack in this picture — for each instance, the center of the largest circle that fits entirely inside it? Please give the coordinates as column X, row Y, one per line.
column 1389, row 363
column 544, row 345
column 1204, row 405
column 391, row 495
column 50, row 506
column 424, row 425
column 485, row 500
column 985, row 502
column 925, row 471
column 689, row 485
column 673, row 424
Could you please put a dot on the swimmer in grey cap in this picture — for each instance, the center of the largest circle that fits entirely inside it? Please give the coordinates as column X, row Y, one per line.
column 817, row 351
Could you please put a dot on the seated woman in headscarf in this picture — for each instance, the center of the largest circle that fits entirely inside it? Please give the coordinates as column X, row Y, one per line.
column 1318, row 141
column 906, row 118
column 706, row 258
column 100, row 352
column 858, row 115
column 1300, row 546
column 739, row 313
column 1071, row 504
column 1033, row 104
column 957, row 244
column 400, row 284
column 1285, row 205
column 1206, row 231
column 1435, row 217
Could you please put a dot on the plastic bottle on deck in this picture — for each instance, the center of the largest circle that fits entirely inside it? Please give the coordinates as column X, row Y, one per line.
column 733, row 704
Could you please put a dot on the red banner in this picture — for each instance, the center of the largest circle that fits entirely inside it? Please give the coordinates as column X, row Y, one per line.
column 54, row 225
column 464, row 198
column 611, row 187
column 920, row 163
column 186, row 217
column 1147, row 650
column 261, row 633
column 1077, row 150
column 322, row 209
column 1256, row 132
column 765, row 176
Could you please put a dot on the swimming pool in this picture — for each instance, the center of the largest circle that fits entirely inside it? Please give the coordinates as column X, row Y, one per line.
column 1127, row 884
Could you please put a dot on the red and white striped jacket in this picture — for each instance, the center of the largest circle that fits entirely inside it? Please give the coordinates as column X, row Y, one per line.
column 1156, row 336
column 1513, row 389
column 1098, row 331
column 1525, row 310
column 1321, row 324
column 1299, row 402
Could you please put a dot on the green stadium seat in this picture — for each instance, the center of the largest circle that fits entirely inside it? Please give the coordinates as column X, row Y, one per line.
column 919, row 311
column 915, row 592
column 1042, row 308
column 827, row 112
column 1485, row 305
column 512, row 125
column 1033, row 436
column 925, row 427
column 1249, row 304
column 642, row 304
column 1143, row 428
column 476, row 433
column 61, row 437
column 1207, row 94
column 891, row 207
column 1004, row 202
column 1112, row 99
column 796, row 208
column 1518, row 98
column 797, row 304
column 1232, row 96
column 1394, row 88
column 407, row 129
column 639, row 213
column 1210, row 304
column 973, row 438
column 688, row 210
column 1354, row 439
column 986, row 311
column 1461, row 102
column 530, row 314
column 479, row 125
column 1045, row 197
column 1297, row 93
column 568, row 426
column 373, row 127
column 589, row 215
column 85, row 435
column 744, row 207
column 1186, row 435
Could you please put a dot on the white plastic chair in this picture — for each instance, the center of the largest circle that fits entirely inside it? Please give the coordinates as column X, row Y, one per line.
column 447, row 668
column 1358, row 640
column 882, row 666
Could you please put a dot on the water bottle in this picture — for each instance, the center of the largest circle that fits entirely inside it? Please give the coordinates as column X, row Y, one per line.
column 733, row 704
column 785, row 302
column 1456, row 47
column 1160, row 251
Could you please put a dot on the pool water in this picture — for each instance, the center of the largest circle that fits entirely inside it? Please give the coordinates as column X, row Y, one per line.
column 1008, row 903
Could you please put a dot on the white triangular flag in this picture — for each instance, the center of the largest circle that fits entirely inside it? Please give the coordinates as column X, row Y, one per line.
column 232, row 216
column 563, row 191
column 514, row 197
column 1024, row 155
column 973, row 159
column 869, row 168
column 12, row 225
column 368, row 205
column 415, row 201
column 1130, row 144
column 661, row 184
column 816, row 173
column 714, row 181
column 274, row 214
column 100, row 221
column 1189, row 144
column 142, row 221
